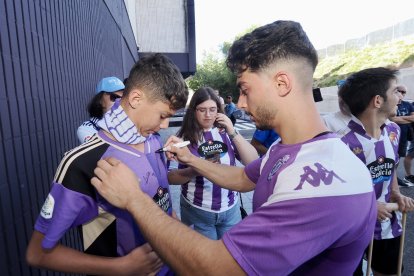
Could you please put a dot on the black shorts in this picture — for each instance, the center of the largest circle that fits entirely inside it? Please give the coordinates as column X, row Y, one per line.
column 402, row 147
column 385, row 255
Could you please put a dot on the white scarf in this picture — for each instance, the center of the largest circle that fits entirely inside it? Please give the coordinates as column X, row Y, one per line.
column 117, row 122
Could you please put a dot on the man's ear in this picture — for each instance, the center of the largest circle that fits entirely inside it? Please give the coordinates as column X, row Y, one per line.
column 283, row 83
column 135, row 96
column 378, row 101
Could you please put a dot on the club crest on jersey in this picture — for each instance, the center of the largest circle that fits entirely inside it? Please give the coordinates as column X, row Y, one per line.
column 315, row 177
column 47, row 208
column 381, row 169
column 357, row 150
column 279, row 163
column 393, row 138
column 162, row 198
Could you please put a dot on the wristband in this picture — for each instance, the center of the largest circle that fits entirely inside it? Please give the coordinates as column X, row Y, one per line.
column 233, row 135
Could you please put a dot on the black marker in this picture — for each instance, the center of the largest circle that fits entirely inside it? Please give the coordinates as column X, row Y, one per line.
column 178, row 145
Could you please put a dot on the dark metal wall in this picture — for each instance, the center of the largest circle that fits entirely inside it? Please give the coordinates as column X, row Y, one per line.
column 53, row 53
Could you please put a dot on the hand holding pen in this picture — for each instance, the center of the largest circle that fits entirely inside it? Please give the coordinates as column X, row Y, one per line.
column 181, row 153
column 177, row 145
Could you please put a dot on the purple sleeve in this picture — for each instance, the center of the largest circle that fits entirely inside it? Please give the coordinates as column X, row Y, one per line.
column 252, row 170
column 283, row 236
column 62, row 210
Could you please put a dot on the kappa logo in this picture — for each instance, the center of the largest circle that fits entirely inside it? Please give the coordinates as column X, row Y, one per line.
column 277, row 166
column 315, row 177
column 48, row 206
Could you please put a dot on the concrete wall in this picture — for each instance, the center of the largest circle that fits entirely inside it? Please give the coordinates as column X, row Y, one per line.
column 165, row 26
column 161, row 26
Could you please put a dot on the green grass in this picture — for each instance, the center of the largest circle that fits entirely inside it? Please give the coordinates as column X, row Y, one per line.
column 397, row 54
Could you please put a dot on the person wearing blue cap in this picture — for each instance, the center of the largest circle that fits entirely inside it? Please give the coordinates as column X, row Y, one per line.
column 107, row 91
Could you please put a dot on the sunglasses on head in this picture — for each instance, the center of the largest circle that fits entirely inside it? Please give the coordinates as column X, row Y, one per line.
column 114, row 96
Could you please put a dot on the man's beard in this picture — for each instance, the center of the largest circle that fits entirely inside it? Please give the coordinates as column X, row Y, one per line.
column 264, row 118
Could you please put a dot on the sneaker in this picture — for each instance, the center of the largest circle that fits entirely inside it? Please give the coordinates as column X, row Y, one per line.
column 402, row 183
column 409, row 179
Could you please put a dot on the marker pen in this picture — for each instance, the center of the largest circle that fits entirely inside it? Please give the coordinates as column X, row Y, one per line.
column 178, row 145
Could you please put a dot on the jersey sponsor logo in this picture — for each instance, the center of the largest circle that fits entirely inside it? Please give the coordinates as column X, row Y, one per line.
column 47, row 208
column 315, row 177
column 381, row 169
column 277, row 166
column 212, row 150
column 162, row 198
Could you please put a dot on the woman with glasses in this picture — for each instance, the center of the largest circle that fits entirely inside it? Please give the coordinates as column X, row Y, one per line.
column 107, row 91
column 210, row 209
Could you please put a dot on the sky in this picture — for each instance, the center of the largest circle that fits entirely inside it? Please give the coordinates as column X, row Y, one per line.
column 327, row 22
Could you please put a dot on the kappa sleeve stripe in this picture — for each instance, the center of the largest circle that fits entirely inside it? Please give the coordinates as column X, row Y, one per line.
column 72, row 155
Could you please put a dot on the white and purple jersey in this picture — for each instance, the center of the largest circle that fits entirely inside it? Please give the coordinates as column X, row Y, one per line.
column 314, row 211
column 201, row 192
column 73, row 201
column 381, row 157
column 337, row 122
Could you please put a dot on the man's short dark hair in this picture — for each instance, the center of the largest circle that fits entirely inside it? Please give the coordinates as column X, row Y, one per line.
column 280, row 40
column 359, row 88
column 160, row 78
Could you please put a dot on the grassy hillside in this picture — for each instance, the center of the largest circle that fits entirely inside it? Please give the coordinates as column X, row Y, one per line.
column 398, row 54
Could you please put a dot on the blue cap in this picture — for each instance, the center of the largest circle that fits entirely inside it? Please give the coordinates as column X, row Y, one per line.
column 109, row 85
column 339, row 83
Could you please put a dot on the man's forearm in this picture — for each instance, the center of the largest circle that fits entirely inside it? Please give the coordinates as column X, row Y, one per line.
column 229, row 177
column 246, row 151
column 180, row 176
column 186, row 251
column 402, row 120
column 259, row 147
column 64, row 259
column 409, row 118
column 395, row 190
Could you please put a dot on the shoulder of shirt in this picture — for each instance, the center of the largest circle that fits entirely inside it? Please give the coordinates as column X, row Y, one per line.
column 391, row 124
column 88, row 123
column 75, row 153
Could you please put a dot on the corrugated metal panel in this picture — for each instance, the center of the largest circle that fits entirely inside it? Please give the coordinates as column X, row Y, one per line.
column 52, row 55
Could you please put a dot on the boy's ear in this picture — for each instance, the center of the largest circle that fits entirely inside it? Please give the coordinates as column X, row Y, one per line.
column 135, row 96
